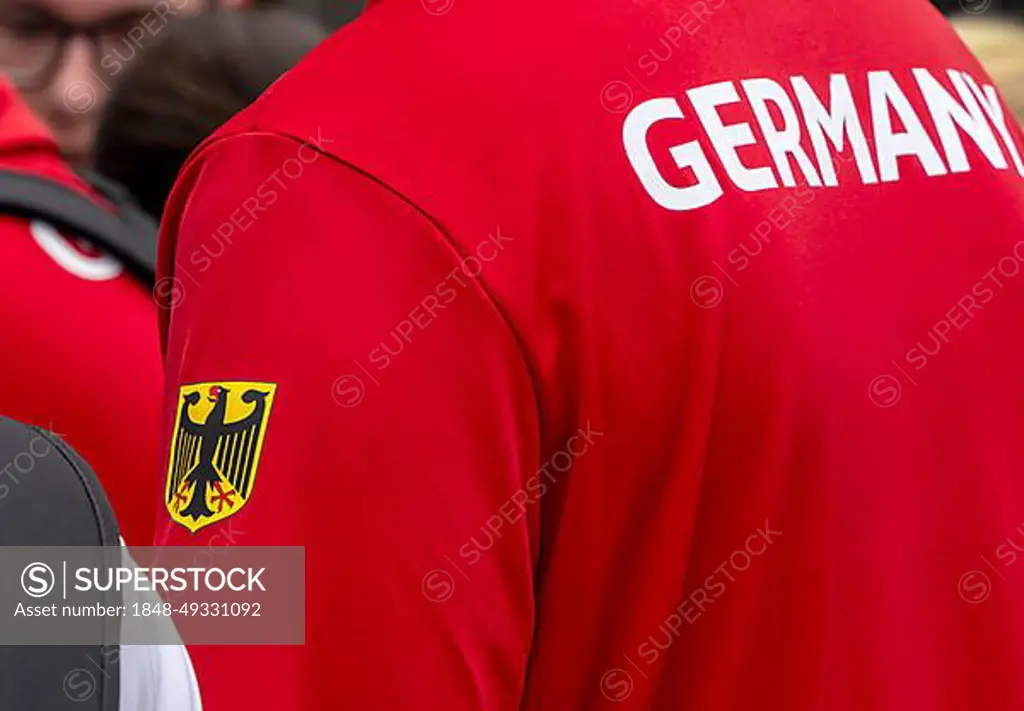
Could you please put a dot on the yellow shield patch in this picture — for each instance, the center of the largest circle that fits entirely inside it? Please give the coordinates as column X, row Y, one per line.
column 215, row 450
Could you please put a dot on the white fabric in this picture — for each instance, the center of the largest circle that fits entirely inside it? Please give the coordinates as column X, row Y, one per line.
column 154, row 678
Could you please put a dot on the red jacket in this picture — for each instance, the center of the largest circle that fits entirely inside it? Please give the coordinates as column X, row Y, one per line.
column 80, row 349
column 615, row 354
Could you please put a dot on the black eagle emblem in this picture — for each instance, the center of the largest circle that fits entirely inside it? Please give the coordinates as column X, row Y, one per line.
column 214, row 456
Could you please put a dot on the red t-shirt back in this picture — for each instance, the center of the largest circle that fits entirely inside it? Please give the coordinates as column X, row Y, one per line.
column 623, row 354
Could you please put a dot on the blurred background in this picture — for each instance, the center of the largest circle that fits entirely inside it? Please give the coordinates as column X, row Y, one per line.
column 333, row 13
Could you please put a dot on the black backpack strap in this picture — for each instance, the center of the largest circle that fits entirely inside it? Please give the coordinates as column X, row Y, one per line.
column 129, row 234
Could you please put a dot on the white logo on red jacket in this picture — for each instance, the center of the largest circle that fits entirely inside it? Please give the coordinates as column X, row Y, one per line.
column 75, row 256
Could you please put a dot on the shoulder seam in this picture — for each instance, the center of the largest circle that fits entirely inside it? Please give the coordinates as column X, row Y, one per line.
column 451, row 243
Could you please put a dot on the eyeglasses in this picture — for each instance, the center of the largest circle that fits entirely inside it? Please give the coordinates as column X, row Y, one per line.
column 33, row 42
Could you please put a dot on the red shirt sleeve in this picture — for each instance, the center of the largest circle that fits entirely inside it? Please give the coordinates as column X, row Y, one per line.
column 403, row 428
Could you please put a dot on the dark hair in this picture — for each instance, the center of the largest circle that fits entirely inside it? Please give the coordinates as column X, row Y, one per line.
column 200, row 72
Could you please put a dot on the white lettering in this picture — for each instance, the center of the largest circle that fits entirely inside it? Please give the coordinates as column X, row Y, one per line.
column 689, row 155
column 835, row 128
column 726, row 139
column 948, row 113
column 785, row 141
column 885, row 94
column 841, row 117
column 989, row 100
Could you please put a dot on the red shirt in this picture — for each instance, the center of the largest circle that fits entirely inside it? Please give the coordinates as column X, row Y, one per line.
column 80, row 348
column 598, row 381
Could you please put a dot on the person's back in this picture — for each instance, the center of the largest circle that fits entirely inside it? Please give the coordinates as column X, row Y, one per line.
column 656, row 403
column 73, row 313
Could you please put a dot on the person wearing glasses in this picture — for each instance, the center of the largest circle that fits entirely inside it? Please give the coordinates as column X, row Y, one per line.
column 65, row 55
